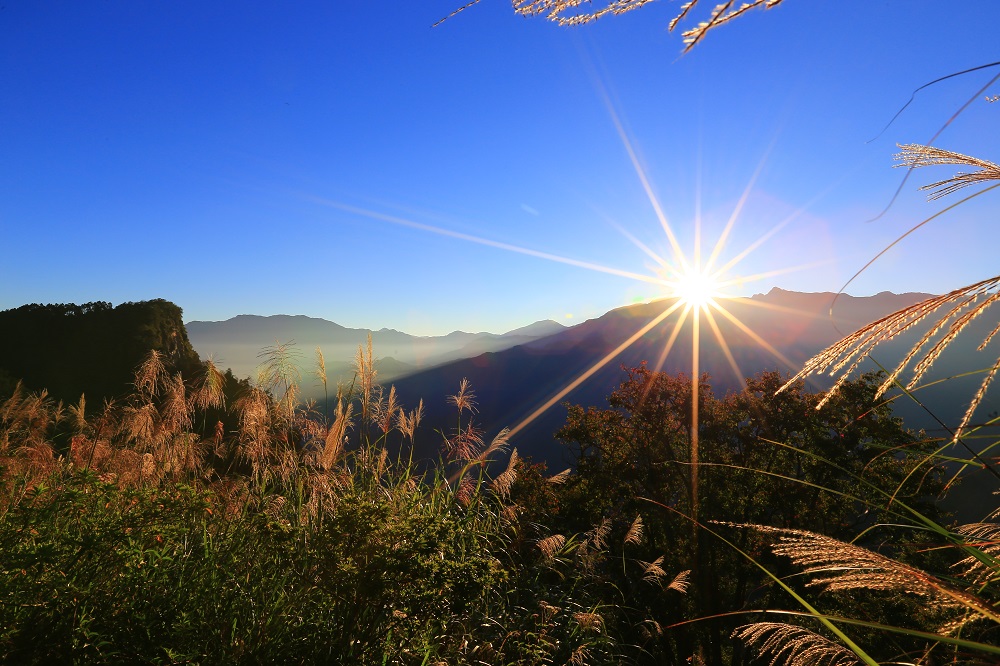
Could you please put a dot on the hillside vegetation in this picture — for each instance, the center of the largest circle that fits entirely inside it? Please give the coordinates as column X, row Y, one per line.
column 207, row 520
column 93, row 348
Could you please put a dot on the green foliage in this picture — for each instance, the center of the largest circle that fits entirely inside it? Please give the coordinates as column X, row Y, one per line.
column 156, row 540
column 212, row 520
column 764, row 459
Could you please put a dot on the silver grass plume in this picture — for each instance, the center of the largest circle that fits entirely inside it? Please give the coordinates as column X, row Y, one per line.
column 915, row 155
column 551, row 545
column 572, row 13
column 681, row 582
column 634, row 534
column 984, row 537
column 963, row 307
column 793, row 646
column 503, row 483
column 845, row 566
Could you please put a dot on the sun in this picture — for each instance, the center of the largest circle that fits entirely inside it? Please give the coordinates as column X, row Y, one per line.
column 695, row 288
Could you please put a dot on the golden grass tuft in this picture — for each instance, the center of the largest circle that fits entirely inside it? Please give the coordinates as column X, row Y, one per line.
column 846, row 567
column 793, row 646
column 653, row 571
column 985, row 537
column 560, row 478
column 385, row 409
column 551, row 545
column 465, row 399
column 589, row 621
column 572, row 13
column 504, row 482
column 966, row 303
column 634, row 534
column 681, row 582
column 912, row 156
column 149, row 374
column 408, row 423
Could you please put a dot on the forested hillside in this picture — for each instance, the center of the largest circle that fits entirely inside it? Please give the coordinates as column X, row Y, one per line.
column 92, row 348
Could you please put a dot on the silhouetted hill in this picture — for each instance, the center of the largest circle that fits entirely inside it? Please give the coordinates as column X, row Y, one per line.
column 92, row 348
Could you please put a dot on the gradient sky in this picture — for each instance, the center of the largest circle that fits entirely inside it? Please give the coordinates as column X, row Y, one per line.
column 334, row 159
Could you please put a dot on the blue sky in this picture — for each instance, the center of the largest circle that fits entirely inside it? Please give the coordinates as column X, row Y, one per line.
column 334, row 159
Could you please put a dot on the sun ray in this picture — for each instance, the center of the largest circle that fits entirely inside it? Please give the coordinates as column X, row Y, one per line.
column 753, row 336
column 724, row 345
column 756, row 277
column 695, row 397
column 724, row 236
column 732, row 263
column 643, row 180
column 639, row 244
column 594, row 368
column 670, row 341
column 782, row 309
column 403, row 222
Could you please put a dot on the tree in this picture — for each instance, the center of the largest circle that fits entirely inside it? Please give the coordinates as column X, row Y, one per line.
column 765, row 459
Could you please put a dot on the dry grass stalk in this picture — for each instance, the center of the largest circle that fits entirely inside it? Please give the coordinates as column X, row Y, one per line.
column 465, row 399
column 28, row 419
column 364, row 368
column 985, row 537
column 653, row 571
column 174, row 414
column 681, row 582
column 497, row 444
column 589, row 621
column 333, row 445
column 384, row 410
column 547, row 611
column 78, row 413
column 466, row 491
column 793, row 646
column 140, row 425
column 321, row 368
column 569, row 13
column 977, row 399
column 466, row 444
column 850, row 567
column 650, row 629
column 598, row 536
column 852, row 349
column 254, row 409
column 149, row 374
column 209, row 393
column 914, row 155
column 560, row 478
column 503, row 483
column 408, row 423
column 383, row 457
column 551, row 545
column 634, row 534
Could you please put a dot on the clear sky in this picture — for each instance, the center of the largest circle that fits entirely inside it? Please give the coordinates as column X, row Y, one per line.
column 335, row 159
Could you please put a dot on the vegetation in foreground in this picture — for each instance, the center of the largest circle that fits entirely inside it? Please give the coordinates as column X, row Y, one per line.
column 215, row 521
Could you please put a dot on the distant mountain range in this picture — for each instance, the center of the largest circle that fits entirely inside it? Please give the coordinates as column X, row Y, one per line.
column 237, row 343
column 514, row 373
